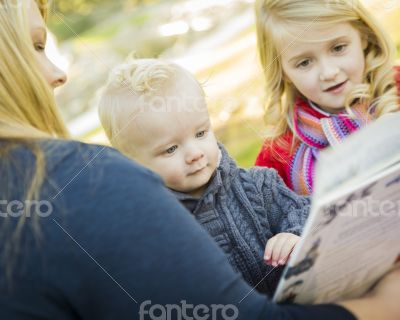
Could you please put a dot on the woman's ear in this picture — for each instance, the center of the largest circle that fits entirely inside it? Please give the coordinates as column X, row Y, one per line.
column 364, row 42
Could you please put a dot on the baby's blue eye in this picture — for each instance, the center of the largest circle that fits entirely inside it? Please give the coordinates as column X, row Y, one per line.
column 200, row 134
column 171, row 150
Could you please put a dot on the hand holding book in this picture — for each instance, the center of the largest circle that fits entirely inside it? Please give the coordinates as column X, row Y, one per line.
column 381, row 303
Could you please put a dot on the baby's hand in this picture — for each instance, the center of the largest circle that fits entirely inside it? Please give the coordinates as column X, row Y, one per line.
column 279, row 248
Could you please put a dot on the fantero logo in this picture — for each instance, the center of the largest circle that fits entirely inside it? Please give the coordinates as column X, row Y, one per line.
column 17, row 208
column 185, row 311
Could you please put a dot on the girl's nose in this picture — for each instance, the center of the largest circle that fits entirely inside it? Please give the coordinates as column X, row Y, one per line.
column 328, row 71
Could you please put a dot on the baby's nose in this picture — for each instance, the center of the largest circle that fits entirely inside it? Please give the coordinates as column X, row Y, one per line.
column 194, row 154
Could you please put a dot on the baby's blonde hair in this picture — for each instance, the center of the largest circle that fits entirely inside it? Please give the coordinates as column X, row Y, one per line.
column 275, row 17
column 138, row 81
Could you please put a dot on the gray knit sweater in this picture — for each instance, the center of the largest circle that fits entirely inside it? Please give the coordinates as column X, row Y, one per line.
column 243, row 208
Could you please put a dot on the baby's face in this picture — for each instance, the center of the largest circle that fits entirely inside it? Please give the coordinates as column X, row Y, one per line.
column 173, row 137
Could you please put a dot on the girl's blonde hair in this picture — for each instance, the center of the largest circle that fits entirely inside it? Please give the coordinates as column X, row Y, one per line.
column 27, row 107
column 275, row 17
column 130, row 89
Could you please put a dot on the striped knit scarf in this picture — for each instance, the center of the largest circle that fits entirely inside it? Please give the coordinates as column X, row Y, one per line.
column 317, row 133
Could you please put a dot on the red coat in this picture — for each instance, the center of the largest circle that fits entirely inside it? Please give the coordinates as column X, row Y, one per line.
column 279, row 155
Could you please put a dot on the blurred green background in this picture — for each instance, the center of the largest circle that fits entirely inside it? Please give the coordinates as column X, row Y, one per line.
column 214, row 39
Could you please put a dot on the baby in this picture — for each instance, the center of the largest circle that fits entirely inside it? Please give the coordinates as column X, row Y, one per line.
column 155, row 113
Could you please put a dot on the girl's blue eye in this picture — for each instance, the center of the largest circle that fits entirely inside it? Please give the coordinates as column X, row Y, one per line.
column 200, row 134
column 339, row 48
column 171, row 150
column 304, row 64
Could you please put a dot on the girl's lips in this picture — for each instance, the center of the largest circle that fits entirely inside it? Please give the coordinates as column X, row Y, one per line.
column 337, row 88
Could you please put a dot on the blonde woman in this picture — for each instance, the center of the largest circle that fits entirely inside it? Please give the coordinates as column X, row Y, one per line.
column 88, row 234
column 329, row 71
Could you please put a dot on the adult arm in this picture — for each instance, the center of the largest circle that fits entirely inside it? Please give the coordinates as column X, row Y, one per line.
column 116, row 243
column 381, row 303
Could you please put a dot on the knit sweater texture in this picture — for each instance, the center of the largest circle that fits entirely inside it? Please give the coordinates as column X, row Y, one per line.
column 242, row 209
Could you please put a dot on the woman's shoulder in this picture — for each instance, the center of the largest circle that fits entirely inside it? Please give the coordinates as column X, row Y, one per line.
column 77, row 170
column 57, row 150
column 76, row 156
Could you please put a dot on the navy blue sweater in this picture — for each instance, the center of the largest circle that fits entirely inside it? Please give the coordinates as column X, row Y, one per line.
column 242, row 209
column 114, row 243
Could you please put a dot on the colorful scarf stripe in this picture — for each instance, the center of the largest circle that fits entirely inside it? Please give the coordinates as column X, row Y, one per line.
column 316, row 133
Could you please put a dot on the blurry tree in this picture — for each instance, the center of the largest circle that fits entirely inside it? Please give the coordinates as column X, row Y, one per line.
column 84, row 7
column 69, row 18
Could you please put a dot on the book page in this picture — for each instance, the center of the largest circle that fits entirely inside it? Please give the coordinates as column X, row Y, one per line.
column 362, row 154
column 349, row 243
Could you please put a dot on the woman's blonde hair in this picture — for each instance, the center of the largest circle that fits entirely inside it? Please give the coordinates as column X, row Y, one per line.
column 275, row 17
column 130, row 89
column 27, row 104
column 27, row 107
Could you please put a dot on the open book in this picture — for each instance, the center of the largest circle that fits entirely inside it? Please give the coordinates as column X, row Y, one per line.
column 352, row 236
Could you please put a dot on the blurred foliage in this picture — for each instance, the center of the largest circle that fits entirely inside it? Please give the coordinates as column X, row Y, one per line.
column 70, row 18
column 85, row 7
column 241, row 138
column 392, row 25
column 101, row 33
column 82, row 7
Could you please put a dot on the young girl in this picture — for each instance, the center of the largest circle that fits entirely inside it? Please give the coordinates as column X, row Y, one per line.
column 329, row 70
